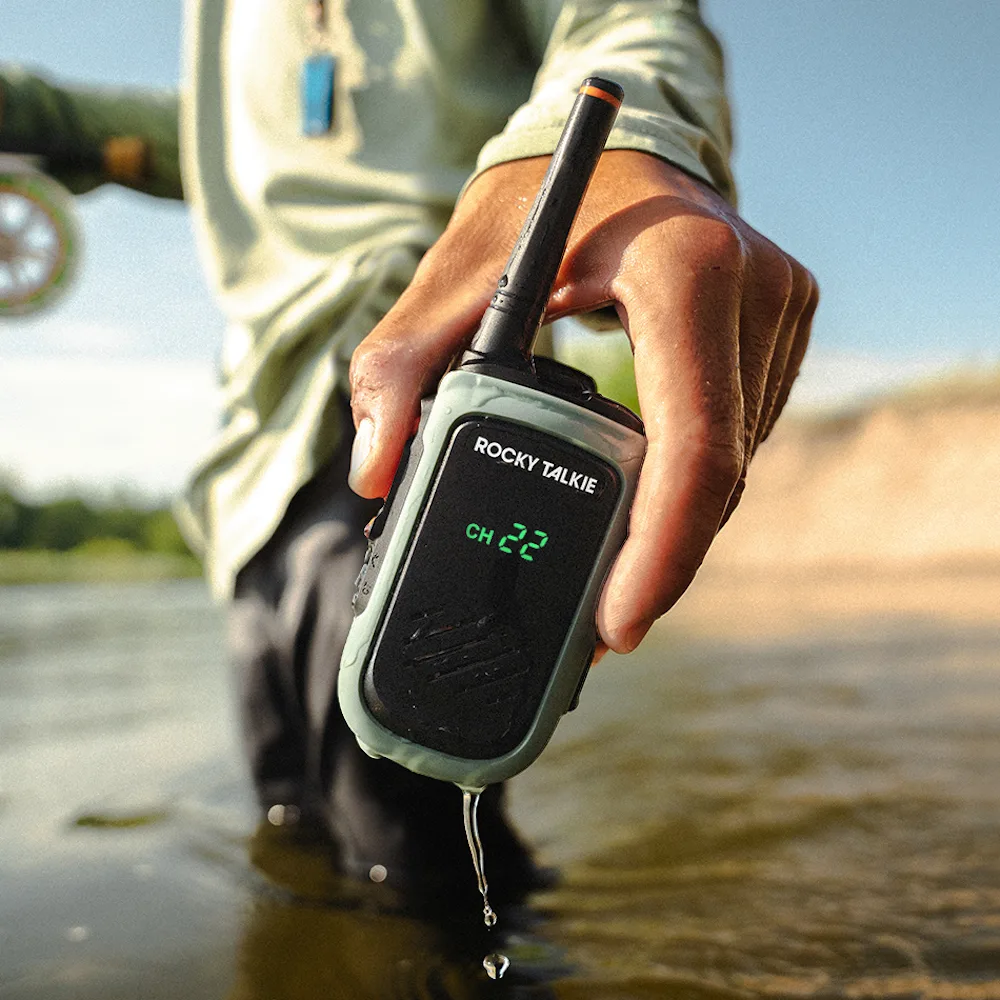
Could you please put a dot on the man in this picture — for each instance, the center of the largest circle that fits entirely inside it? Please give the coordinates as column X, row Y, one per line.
column 346, row 268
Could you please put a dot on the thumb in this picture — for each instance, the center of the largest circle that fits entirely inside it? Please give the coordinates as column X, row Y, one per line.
column 403, row 358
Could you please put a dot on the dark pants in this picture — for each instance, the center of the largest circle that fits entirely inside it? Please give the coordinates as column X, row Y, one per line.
column 288, row 624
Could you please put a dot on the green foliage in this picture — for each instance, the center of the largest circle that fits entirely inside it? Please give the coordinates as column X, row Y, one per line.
column 126, row 523
column 107, row 548
column 60, row 525
column 161, row 534
column 71, row 524
column 10, row 520
column 607, row 356
column 37, row 566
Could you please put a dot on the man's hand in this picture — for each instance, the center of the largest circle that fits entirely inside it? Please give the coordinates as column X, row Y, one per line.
column 717, row 315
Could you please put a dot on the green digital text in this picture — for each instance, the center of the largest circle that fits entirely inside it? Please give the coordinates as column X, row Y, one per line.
column 514, row 542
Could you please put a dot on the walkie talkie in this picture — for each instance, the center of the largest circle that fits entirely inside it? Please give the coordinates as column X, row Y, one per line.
column 474, row 611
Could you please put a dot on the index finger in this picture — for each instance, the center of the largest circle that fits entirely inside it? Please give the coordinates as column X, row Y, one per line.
column 685, row 338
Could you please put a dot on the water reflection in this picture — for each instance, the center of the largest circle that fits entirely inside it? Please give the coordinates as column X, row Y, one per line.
column 313, row 933
column 815, row 817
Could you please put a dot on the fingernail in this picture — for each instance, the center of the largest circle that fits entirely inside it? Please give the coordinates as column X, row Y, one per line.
column 361, row 449
column 636, row 634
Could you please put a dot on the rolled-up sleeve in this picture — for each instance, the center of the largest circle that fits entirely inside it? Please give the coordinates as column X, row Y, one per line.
column 76, row 131
column 667, row 60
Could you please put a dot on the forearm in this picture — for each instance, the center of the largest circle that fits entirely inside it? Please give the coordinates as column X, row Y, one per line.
column 86, row 136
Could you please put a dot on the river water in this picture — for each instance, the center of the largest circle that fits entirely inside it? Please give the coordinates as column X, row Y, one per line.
column 811, row 816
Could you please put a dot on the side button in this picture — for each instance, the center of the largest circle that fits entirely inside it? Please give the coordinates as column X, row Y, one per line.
column 378, row 537
column 366, row 579
column 378, row 523
column 579, row 688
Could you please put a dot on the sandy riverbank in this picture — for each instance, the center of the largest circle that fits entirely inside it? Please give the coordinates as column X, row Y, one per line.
column 765, row 604
column 888, row 511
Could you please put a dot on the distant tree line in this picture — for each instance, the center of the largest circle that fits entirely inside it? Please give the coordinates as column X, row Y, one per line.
column 71, row 523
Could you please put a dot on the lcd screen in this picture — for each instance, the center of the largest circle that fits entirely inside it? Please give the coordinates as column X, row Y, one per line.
column 495, row 573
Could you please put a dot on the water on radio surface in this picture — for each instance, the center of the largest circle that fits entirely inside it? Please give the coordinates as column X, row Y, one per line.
column 807, row 815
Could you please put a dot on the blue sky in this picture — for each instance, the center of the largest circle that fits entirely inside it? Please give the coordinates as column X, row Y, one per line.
column 868, row 145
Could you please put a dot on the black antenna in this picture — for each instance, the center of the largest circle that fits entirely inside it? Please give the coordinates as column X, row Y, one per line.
column 507, row 331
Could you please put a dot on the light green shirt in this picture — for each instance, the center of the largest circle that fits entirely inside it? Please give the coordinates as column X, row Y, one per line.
column 309, row 241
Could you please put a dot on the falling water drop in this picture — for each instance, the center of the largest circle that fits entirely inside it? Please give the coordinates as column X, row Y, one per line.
column 496, row 965
column 470, row 809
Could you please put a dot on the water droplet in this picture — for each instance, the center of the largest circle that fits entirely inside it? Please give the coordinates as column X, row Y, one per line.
column 378, row 873
column 470, row 808
column 496, row 965
column 77, row 933
column 281, row 815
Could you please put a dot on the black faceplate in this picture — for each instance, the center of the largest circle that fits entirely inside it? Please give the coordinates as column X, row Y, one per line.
column 477, row 620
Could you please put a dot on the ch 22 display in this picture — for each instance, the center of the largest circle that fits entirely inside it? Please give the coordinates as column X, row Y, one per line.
column 525, row 549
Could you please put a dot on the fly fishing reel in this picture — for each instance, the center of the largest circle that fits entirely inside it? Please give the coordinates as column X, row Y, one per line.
column 39, row 238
